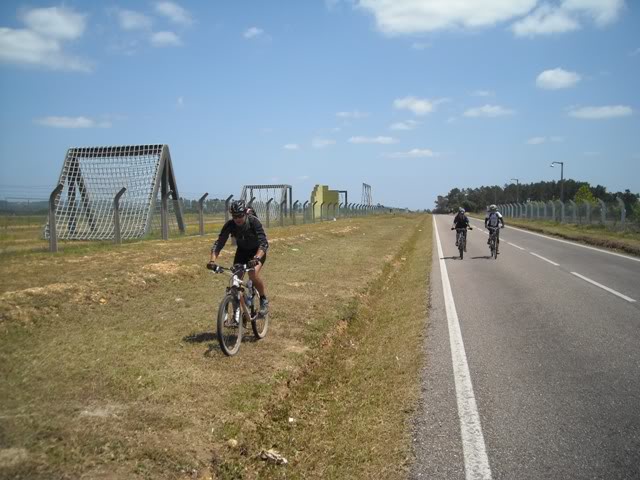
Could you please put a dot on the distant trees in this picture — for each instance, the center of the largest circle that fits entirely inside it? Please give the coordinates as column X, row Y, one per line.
column 476, row 199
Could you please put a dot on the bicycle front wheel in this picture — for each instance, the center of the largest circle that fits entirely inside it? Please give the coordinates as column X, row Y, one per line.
column 229, row 325
column 259, row 324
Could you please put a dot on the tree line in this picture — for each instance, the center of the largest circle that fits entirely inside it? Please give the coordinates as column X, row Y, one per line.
column 477, row 199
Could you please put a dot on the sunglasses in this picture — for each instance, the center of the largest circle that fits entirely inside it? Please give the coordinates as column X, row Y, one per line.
column 238, row 216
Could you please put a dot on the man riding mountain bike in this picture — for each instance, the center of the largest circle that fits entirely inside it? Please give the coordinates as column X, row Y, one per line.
column 461, row 221
column 493, row 221
column 252, row 246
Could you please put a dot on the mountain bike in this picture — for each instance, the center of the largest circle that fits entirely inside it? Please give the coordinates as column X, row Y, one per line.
column 494, row 242
column 240, row 305
column 461, row 239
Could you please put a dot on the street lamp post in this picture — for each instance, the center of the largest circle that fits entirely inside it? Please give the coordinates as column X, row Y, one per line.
column 517, row 187
column 561, row 178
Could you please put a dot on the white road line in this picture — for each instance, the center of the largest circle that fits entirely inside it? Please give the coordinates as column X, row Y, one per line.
column 545, row 259
column 576, row 244
column 610, row 290
column 514, row 245
column 476, row 462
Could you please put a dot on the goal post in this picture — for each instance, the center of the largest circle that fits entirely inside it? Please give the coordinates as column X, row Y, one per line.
column 91, row 178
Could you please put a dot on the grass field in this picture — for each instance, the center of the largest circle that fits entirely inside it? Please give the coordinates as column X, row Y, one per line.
column 111, row 369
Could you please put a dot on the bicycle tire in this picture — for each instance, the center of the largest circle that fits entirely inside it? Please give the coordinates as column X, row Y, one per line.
column 229, row 326
column 259, row 324
column 461, row 248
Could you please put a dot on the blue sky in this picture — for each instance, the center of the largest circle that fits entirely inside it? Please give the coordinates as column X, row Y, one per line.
column 412, row 97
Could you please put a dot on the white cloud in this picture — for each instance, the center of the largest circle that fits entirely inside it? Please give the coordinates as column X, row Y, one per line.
column 41, row 44
column 180, row 102
column 304, row 177
column 488, row 111
column 130, row 20
column 354, row 115
column 381, row 140
column 165, row 39
column 545, row 20
column 567, row 16
column 71, row 122
column 252, row 32
column 174, row 12
column 556, row 79
column 406, row 125
column 604, row 112
column 322, row 142
column 419, row 106
column 291, row 146
column 55, row 22
column 395, row 17
column 413, row 153
column 536, row 140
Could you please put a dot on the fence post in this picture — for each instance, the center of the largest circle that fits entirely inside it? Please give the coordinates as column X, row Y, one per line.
column 553, row 211
column 304, row 211
column 294, row 210
column 623, row 211
column 53, row 236
column 282, row 206
column 313, row 212
column 588, row 212
column 574, row 207
column 164, row 211
column 117, row 239
column 226, row 208
column 603, row 212
column 268, row 214
column 201, row 212
column 562, row 219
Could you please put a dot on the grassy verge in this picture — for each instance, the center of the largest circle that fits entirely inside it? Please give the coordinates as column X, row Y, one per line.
column 111, row 369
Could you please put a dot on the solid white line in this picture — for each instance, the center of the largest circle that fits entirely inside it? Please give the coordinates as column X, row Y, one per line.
column 514, row 245
column 476, row 462
column 610, row 290
column 545, row 259
column 576, row 244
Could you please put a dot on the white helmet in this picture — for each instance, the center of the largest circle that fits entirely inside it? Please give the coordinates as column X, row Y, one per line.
column 461, row 210
column 493, row 208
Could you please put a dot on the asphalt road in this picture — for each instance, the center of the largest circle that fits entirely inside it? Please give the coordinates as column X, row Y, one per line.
column 552, row 381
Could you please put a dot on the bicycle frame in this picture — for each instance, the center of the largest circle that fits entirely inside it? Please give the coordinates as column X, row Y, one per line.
column 237, row 285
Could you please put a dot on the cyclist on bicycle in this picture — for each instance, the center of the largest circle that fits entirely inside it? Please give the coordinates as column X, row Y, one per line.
column 252, row 246
column 493, row 221
column 461, row 221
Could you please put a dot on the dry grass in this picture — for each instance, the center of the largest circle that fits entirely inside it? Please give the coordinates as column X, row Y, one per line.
column 111, row 369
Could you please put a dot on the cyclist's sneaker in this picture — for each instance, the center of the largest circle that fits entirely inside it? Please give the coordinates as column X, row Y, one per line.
column 456, row 243
column 264, row 306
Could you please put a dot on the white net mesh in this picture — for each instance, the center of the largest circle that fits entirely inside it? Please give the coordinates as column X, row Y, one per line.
column 91, row 178
column 262, row 194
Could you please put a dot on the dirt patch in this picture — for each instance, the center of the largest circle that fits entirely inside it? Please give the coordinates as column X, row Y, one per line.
column 11, row 457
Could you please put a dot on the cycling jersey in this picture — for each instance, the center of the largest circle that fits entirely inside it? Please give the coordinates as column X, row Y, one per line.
column 493, row 219
column 461, row 221
column 249, row 236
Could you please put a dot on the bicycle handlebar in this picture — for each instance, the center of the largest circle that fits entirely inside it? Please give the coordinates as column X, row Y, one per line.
column 234, row 269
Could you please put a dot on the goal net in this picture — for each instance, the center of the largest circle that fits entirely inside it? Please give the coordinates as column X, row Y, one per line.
column 268, row 197
column 92, row 176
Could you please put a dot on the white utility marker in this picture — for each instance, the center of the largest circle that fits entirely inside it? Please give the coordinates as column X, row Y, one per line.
column 476, row 462
column 545, row 259
column 610, row 290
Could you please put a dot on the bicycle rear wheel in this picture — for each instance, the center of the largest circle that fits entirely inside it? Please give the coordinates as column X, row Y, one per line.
column 259, row 324
column 461, row 248
column 229, row 325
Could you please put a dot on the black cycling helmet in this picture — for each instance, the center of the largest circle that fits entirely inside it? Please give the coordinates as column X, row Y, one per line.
column 237, row 208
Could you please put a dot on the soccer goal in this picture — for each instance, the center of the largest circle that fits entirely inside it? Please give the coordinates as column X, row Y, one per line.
column 92, row 178
column 267, row 200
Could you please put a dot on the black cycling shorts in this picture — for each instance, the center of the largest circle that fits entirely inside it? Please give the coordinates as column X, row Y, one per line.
column 243, row 256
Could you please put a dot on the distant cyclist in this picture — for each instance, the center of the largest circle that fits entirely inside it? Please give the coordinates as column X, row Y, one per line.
column 252, row 246
column 461, row 221
column 493, row 221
